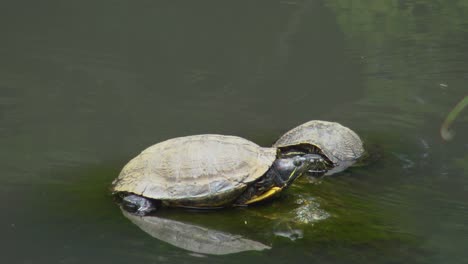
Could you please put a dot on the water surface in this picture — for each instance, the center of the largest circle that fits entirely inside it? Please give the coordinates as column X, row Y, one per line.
column 86, row 86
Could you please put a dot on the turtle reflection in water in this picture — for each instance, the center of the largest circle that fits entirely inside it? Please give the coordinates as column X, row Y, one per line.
column 196, row 234
column 339, row 146
column 208, row 171
column 194, row 238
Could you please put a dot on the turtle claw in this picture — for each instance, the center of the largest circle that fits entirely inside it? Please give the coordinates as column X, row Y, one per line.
column 137, row 205
column 316, row 173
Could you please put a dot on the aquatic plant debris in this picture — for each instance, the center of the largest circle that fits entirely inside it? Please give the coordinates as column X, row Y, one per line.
column 445, row 131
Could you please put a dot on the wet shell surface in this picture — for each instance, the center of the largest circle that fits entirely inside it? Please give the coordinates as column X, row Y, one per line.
column 339, row 144
column 202, row 170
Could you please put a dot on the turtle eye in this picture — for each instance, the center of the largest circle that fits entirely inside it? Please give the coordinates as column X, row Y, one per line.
column 297, row 162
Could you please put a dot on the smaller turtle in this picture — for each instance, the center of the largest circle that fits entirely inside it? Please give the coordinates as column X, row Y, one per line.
column 339, row 146
column 207, row 171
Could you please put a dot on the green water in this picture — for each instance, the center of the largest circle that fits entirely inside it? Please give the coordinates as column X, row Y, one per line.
column 86, row 85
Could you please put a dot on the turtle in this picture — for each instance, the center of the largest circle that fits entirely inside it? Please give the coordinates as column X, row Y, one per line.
column 339, row 146
column 206, row 171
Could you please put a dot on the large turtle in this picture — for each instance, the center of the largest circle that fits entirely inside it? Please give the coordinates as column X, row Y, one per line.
column 206, row 171
column 338, row 145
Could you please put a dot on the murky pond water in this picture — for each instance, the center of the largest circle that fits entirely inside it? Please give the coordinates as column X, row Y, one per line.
column 85, row 86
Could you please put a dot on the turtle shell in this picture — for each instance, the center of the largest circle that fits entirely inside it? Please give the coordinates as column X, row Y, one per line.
column 198, row 171
column 339, row 144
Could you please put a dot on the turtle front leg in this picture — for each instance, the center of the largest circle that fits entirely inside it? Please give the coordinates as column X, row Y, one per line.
column 137, row 204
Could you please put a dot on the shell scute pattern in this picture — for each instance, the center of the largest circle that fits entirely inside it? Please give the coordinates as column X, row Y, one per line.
column 195, row 167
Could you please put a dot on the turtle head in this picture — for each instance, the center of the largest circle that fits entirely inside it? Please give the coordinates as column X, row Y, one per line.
column 283, row 172
column 294, row 166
